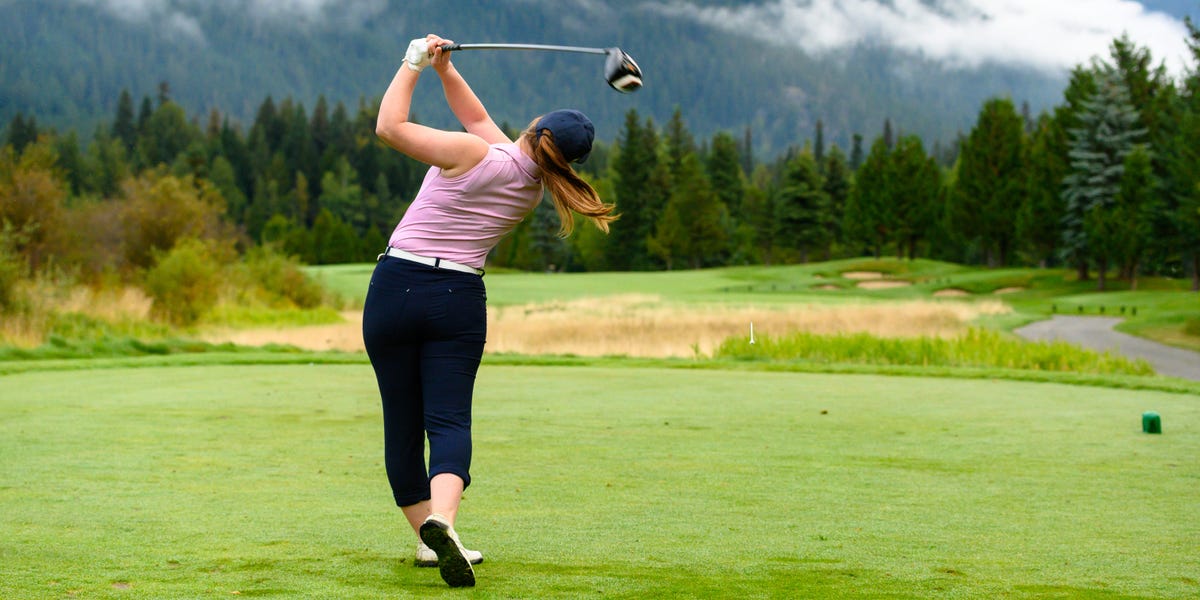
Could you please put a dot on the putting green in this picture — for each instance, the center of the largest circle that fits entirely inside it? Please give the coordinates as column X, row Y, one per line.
column 268, row 480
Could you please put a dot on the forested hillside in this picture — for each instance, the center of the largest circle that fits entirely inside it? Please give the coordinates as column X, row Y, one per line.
column 208, row 214
column 68, row 61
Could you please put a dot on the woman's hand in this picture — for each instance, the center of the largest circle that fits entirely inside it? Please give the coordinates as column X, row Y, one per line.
column 439, row 60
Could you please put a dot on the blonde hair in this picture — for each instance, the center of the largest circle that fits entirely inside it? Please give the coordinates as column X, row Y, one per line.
column 570, row 192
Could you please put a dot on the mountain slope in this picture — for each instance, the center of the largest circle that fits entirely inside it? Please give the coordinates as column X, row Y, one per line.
column 66, row 62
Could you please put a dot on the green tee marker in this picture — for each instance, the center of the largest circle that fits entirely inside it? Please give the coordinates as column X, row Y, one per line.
column 1151, row 423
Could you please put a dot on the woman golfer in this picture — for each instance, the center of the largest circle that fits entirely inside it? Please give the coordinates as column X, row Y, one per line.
column 424, row 319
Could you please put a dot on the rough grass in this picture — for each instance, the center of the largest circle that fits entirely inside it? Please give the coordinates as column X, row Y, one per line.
column 646, row 326
column 974, row 348
column 607, row 482
column 64, row 314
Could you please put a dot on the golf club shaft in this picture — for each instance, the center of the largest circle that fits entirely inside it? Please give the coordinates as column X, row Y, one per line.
column 578, row 49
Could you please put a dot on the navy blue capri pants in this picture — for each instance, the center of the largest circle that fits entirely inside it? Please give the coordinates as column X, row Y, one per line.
column 424, row 330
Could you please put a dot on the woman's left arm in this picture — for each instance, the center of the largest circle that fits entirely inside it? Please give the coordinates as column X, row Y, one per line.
column 453, row 152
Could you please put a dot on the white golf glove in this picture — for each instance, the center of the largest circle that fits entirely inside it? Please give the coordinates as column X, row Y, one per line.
column 417, row 57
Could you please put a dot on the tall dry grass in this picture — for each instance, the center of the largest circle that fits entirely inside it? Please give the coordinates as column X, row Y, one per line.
column 46, row 300
column 643, row 326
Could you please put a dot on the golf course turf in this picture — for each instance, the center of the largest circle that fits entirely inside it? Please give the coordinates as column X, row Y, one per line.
column 267, row 480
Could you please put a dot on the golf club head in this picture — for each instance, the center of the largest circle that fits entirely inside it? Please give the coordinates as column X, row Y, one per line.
column 621, row 72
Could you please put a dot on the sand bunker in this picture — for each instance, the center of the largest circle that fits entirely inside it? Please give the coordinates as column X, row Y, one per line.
column 883, row 284
column 862, row 275
column 1008, row 290
column 951, row 293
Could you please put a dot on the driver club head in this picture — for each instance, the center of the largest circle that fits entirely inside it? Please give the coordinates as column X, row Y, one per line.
column 621, row 72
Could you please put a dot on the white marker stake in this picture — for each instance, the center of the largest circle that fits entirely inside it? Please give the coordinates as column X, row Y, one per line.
column 752, row 332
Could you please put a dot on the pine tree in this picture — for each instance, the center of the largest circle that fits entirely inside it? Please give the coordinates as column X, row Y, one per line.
column 107, row 165
column 1107, row 133
column 1136, row 210
column 165, row 135
column 856, row 152
column 802, row 207
column 223, row 176
column 747, row 152
column 838, row 182
column 640, row 183
column 22, row 132
column 1069, row 116
column 297, row 145
column 124, row 129
column 1039, row 222
column 991, row 180
column 233, row 148
column 867, row 218
column 819, row 145
column 758, row 221
column 342, row 196
column 70, row 162
column 144, row 113
column 320, row 127
column 679, row 141
column 914, row 180
column 1184, row 165
column 724, row 170
column 1153, row 94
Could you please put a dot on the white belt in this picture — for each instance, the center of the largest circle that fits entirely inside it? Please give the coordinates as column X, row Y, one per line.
column 436, row 263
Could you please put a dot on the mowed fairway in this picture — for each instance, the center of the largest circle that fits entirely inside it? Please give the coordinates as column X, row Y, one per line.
column 217, row 481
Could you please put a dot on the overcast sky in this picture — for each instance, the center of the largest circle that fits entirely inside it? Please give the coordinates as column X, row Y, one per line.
column 1050, row 35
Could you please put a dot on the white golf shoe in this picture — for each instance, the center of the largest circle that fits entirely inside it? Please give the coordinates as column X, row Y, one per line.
column 426, row 557
column 453, row 564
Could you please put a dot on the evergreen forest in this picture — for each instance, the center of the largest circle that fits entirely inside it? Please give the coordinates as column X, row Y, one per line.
column 1106, row 183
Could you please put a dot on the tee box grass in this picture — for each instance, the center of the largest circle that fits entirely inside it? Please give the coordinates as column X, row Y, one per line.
column 267, row 480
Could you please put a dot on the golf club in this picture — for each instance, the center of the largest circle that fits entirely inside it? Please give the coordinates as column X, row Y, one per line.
column 620, row 70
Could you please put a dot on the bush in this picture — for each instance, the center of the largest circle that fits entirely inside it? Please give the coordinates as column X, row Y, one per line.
column 157, row 211
column 185, row 282
column 281, row 277
column 12, row 270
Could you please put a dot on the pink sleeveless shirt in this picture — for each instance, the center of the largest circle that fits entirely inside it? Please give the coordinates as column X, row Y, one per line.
column 461, row 219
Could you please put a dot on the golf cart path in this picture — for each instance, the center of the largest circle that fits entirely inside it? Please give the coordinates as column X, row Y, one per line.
column 1097, row 333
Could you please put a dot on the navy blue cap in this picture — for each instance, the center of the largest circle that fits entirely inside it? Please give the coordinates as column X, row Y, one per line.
column 573, row 133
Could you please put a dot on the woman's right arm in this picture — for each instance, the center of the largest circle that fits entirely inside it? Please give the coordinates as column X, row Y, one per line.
column 462, row 100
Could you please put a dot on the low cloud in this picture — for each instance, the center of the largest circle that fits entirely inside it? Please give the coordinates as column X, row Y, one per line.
column 1051, row 36
column 179, row 16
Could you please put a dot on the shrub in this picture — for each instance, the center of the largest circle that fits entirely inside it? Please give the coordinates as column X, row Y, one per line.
column 157, row 211
column 185, row 282
column 12, row 270
column 281, row 277
column 32, row 198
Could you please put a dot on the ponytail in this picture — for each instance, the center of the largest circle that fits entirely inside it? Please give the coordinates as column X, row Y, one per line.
column 570, row 192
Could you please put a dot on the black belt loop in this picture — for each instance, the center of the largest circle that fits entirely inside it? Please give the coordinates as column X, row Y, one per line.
column 437, row 263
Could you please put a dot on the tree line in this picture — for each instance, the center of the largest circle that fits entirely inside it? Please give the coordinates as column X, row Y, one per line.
column 1106, row 183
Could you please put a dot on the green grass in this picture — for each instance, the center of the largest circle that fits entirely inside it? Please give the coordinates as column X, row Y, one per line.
column 250, row 316
column 977, row 348
column 1045, row 290
column 63, row 348
column 609, row 482
column 1160, row 311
